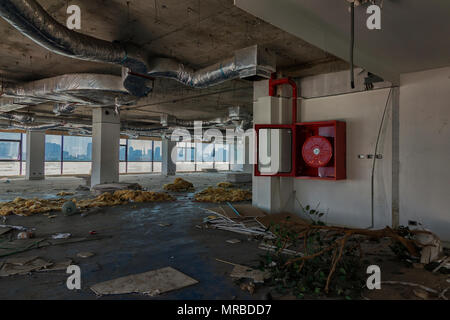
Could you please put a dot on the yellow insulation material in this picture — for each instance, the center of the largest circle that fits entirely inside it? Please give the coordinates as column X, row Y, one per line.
column 27, row 207
column 225, row 185
column 179, row 185
column 223, row 195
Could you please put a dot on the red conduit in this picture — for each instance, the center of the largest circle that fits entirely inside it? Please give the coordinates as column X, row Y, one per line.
column 273, row 83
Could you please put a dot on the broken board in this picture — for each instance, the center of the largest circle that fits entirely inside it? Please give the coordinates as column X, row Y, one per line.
column 245, row 211
column 151, row 283
column 240, row 272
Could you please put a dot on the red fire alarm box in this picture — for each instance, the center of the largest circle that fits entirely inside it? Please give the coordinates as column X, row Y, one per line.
column 321, row 150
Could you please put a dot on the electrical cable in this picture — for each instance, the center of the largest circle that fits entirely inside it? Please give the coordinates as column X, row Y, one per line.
column 372, row 178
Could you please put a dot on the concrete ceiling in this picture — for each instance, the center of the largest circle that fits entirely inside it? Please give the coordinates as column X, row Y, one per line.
column 414, row 34
column 196, row 32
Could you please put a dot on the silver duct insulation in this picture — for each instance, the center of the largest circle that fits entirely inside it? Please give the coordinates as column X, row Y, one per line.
column 21, row 118
column 96, row 90
column 33, row 21
column 251, row 62
column 64, row 109
column 40, row 127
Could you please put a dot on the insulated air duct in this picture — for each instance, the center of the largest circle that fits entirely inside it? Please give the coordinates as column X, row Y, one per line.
column 252, row 63
column 33, row 21
column 21, row 118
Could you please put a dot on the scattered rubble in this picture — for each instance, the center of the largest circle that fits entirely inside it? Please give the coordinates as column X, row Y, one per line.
column 61, row 236
column 225, row 185
column 27, row 207
column 64, row 194
column 113, row 187
column 219, row 194
column 240, row 219
column 85, row 255
column 22, row 266
column 179, row 185
column 150, row 283
column 25, row 235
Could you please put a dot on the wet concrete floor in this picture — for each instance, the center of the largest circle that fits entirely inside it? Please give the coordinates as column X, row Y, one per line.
column 130, row 240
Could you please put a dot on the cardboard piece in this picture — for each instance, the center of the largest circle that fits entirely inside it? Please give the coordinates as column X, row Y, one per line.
column 257, row 276
column 23, row 266
column 151, row 283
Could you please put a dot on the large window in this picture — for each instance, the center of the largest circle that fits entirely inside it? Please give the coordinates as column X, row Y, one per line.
column 140, row 156
column 77, row 155
column 71, row 155
column 12, row 147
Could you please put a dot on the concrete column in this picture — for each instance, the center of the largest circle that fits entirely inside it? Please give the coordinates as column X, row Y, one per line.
column 35, row 155
column 241, row 155
column 105, row 146
column 273, row 194
column 169, row 166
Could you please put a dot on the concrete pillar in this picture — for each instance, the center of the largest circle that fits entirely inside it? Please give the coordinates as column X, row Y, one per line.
column 169, row 165
column 35, row 155
column 105, row 146
column 241, row 157
column 273, row 194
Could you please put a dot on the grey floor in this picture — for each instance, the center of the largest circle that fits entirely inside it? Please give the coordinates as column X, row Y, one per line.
column 132, row 242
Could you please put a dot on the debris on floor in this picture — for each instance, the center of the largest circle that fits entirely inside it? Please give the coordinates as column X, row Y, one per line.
column 85, row 255
column 179, row 185
column 218, row 194
column 225, row 185
column 248, row 286
column 234, row 241
column 431, row 247
column 61, row 236
column 245, row 272
column 69, row 208
column 150, row 283
column 19, row 228
column 122, row 197
column 240, row 219
column 24, row 207
column 113, row 187
column 21, row 266
column 164, row 225
column 27, row 207
column 271, row 248
column 64, row 194
column 82, row 188
column 331, row 256
column 25, row 235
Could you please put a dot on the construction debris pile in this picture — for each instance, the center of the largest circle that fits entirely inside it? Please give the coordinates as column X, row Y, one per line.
column 328, row 259
column 225, row 185
column 219, row 194
column 242, row 219
column 179, row 185
column 27, row 207
column 122, row 197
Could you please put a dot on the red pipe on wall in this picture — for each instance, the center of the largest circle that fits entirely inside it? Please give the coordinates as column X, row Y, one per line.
column 273, row 83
